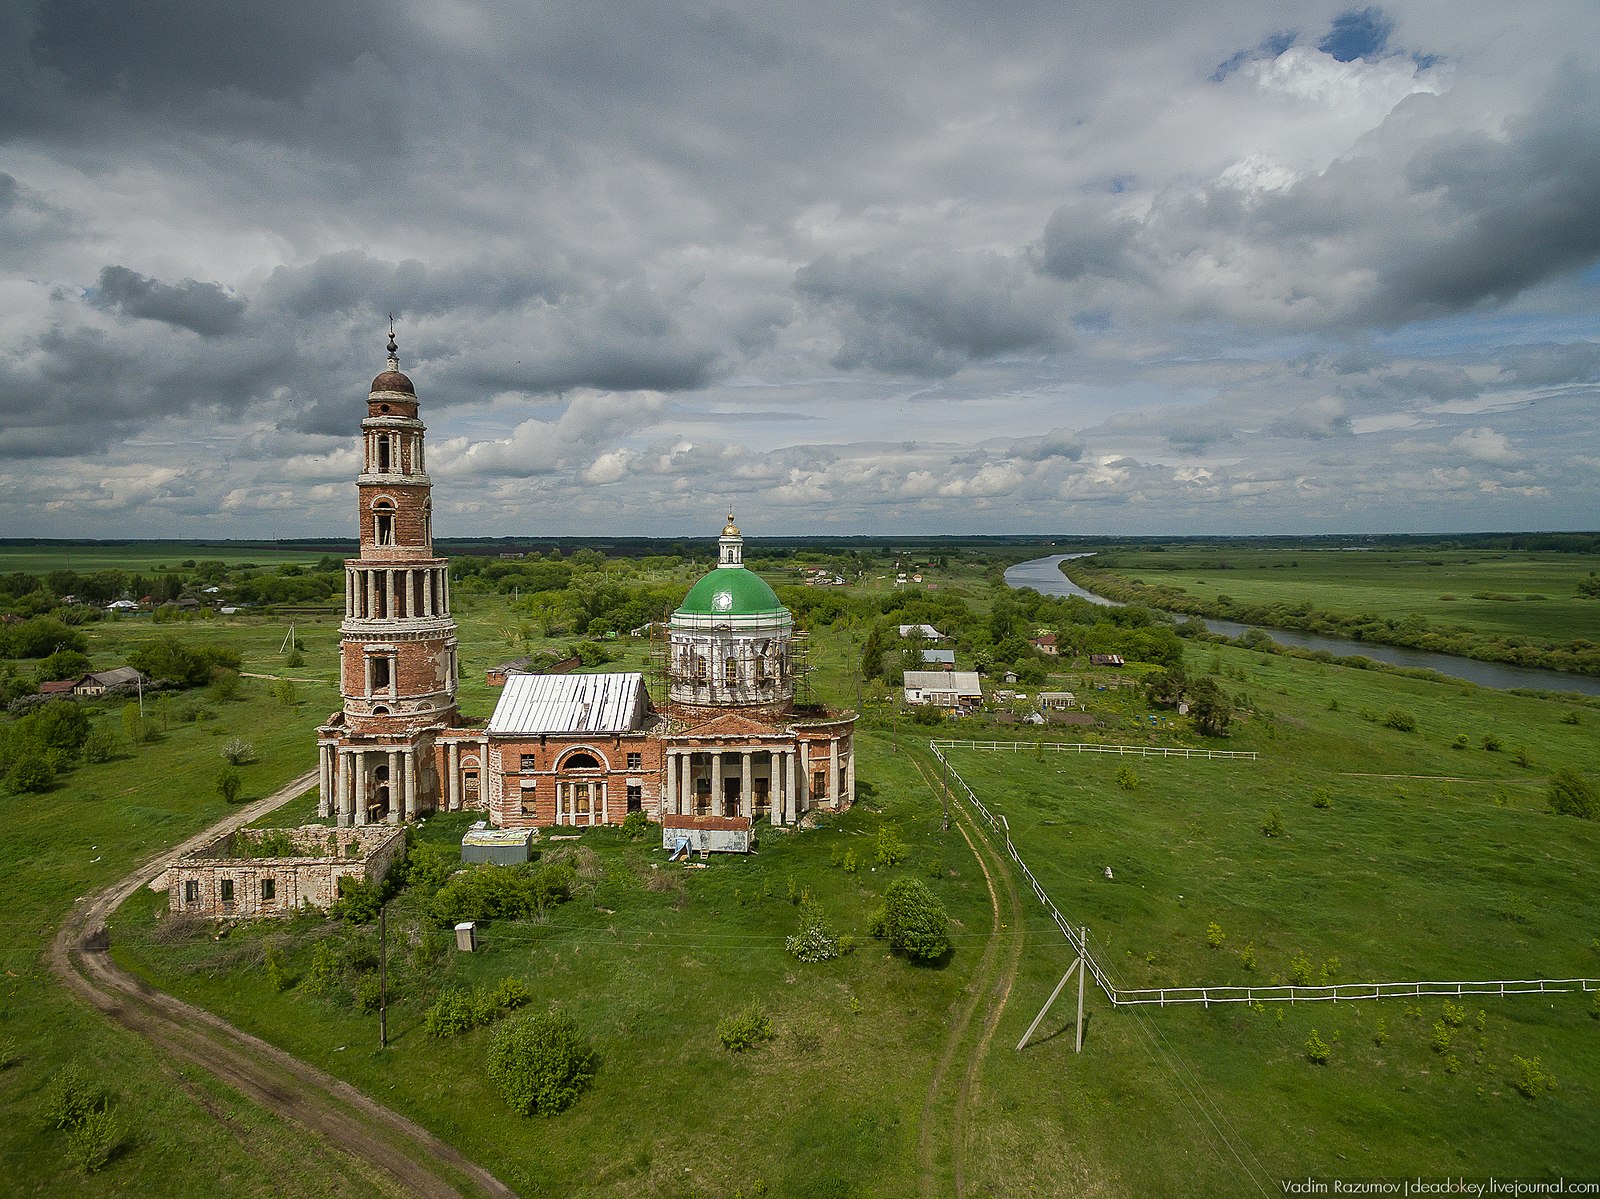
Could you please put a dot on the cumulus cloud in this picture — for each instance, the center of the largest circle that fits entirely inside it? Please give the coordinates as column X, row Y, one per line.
column 204, row 308
column 1237, row 267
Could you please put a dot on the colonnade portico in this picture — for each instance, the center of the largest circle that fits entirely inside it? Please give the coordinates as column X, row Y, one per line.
column 349, row 782
column 777, row 766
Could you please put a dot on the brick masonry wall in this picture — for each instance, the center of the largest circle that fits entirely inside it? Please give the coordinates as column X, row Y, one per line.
column 506, row 794
column 297, row 881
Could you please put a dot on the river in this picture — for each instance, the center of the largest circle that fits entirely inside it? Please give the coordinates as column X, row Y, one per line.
column 1044, row 576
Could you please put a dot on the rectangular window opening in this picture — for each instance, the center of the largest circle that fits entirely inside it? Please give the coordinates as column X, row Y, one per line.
column 227, row 890
column 635, row 761
column 269, row 890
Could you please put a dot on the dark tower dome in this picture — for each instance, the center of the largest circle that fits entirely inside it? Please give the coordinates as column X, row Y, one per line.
column 392, row 379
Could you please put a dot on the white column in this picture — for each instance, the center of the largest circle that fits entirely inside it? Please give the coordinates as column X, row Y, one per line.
column 791, row 803
column 604, row 818
column 341, row 762
column 803, row 791
column 324, row 782
column 358, row 765
column 849, row 795
column 393, row 814
column 746, row 807
column 410, row 767
column 686, row 792
column 454, row 759
column 670, row 800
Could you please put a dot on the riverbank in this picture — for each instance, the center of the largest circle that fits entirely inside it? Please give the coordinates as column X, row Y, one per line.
column 1413, row 632
column 1047, row 576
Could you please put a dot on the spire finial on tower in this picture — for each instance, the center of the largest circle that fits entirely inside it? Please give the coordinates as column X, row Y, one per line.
column 730, row 529
column 394, row 348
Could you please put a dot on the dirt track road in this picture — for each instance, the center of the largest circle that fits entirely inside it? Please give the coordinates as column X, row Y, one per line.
column 323, row 1105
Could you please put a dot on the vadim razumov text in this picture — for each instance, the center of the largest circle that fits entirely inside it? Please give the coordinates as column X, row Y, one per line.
column 1439, row 1186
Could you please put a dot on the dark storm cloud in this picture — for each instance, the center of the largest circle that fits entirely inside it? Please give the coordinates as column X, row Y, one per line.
column 205, row 308
column 352, row 281
column 1512, row 211
column 1399, row 230
column 166, row 53
column 930, row 315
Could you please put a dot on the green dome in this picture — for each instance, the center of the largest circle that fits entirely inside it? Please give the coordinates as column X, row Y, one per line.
column 731, row 591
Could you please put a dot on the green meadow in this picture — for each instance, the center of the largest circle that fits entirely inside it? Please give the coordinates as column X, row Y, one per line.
column 1401, row 855
column 1503, row 594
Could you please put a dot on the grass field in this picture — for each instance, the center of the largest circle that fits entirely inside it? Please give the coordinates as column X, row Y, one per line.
column 186, row 1135
column 144, row 556
column 1459, row 876
column 648, row 958
column 1458, row 872
column 1504, row 594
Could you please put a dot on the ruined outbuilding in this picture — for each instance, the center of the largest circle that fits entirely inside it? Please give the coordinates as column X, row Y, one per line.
column 277, row 872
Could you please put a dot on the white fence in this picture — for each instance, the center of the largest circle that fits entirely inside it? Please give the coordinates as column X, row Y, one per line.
column 1207, row 995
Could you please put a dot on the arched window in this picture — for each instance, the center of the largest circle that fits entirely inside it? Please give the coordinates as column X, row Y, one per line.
column 730, row 672
column 383, row 522
column 580, row 761
column 427, row 519
column 700, row 668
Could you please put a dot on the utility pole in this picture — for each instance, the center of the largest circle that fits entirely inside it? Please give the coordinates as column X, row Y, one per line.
column 383, row 977
column 946, row 793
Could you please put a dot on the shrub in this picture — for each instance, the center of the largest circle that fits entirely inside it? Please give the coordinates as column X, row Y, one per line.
column 635, row 825
column 70, row 1097
column 1380, row 1032
column 229, row 784
column 1321, row 799
column 1247, row 955
column 11, row 1053
column 815, row 941
column 1530, row 1077
column 369, row 992
column 94, row 1140
column 31, row 771
column 1300, row 970
column 359, row 901
column 1272, row 826
column 745, row 1030
column 1520, row 756
column 1461, row 741
column 541, row 1063
column 100, row 746
column 1214, row 935
column 1571, row 794
column 913, row 920
column 276, row 969
column 452, row 1014
column 1491, row 743
column 1317, row 1050
column 1455, row 1014
column 1400, row 720
column 503, row 892
column 850, row 862
column 1127, row 779
column 238, row 751
column 1441, row 1037
column 224, row 684
column 508, row 995
column 135, row 727
column 887, row 847
column 285, row 692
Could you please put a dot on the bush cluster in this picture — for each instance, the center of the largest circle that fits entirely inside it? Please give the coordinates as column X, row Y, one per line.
column 541, row 1063
column 913, row 920
column 503, row 892
column 746, row 1029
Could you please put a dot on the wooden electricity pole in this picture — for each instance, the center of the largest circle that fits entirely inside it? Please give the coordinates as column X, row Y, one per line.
column 383, row 977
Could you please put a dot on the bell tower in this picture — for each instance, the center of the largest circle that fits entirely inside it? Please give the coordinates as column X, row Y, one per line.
column 397, row 642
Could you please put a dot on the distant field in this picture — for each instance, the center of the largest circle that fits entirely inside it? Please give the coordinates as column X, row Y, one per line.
column 1503, row 594
column 141, row 556
column 1460, row 874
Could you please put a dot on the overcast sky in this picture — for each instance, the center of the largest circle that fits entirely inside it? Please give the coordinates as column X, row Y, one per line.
column 1151, row 267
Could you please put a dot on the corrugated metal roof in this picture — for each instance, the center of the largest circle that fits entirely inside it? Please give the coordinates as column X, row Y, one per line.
column 569, row 703
column 962, row 682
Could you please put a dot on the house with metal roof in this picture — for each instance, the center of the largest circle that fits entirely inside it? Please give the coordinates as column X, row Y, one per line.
column 943, row 688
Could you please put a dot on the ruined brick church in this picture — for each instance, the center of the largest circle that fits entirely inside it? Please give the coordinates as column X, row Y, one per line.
column 722, row 748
